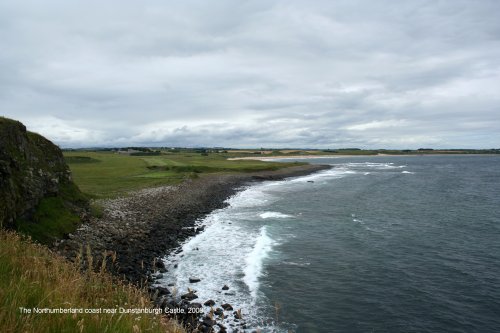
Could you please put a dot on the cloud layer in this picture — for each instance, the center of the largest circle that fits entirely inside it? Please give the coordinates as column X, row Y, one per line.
column 325, row 74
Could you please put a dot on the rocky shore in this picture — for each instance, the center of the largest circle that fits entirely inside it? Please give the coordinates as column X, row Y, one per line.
column 136, row 231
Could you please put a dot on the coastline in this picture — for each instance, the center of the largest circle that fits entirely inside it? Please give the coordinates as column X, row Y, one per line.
column 298, row 157
column 136, row 231
column 270, row 158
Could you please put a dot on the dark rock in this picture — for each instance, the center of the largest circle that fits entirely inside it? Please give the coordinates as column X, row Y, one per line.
column 219, row 312
column 205, row 329
column 189, row 296
column 225, row 287
column 227, row 307
column 162, row 291
column 194, row 280
column 210, row 302
column 209, row 322
column 159, row 264
column 194, row 309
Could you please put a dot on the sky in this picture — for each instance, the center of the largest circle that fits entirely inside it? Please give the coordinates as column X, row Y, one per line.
column 250, row 74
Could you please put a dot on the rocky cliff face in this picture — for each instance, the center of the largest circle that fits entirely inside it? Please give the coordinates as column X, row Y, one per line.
column 31, row 168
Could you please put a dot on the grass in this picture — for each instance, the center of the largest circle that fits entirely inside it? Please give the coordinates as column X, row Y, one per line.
column 54, row 217
column 33, row 277
column 113, row 175
column 52, row 220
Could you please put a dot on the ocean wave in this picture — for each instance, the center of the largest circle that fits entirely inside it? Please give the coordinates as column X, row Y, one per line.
column 372, row 165
column 334, row 173
column 254, row 261
column 274, row 215
column 300, row 264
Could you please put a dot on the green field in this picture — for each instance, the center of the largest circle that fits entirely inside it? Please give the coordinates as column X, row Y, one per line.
column 110, row 174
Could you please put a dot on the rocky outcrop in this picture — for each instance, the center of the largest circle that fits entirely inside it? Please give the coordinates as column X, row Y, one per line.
column 31, row 168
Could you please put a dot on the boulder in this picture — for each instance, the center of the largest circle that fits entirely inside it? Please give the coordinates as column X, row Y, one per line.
column 227, row 307
column 189, row 296
column 209, row 322
column 162, row 291
column 210, row 302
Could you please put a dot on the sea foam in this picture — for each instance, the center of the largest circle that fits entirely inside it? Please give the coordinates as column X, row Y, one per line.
column 254, row 261
column 274, row 215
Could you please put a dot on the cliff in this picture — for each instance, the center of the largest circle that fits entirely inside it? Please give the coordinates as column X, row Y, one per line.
column 37, row 195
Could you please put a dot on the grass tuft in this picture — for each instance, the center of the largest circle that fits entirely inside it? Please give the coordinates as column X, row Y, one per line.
column 31, row 276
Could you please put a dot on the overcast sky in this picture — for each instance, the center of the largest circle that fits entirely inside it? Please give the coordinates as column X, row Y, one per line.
column 320, row 74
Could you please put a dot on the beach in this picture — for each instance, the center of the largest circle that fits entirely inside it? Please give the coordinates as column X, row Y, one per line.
column 141, row 228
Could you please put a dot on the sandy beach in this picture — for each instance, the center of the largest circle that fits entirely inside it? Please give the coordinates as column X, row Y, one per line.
column 269, row 158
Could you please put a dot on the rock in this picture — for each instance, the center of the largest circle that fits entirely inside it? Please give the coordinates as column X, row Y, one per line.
column 225, row 287
column 209, row 322
column 210, row 302
column 33, row 169
column 162, row 291
column 219, row 312
column 159, row 264
column 227, row 307
column 205, row 329
column 195, row 309
column 194, row 279
column 189, row 296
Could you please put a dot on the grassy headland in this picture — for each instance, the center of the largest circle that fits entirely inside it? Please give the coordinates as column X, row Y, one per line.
column 105, row 174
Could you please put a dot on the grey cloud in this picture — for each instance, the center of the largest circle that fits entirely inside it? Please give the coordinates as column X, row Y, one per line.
column 254, row 73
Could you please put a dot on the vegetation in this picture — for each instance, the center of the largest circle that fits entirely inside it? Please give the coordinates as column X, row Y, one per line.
column 116, row 174
column 33, row 277
column 79, row 159
column 54, row 217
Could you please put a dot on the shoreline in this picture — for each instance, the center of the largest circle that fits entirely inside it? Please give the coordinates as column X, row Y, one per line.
column 135, row 233
column 138, row 230
column 271, row 158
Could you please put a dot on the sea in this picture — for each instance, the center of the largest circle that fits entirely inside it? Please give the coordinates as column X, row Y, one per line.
column 374, row 244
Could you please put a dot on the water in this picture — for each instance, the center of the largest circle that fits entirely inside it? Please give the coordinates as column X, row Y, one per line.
column 376, row 244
